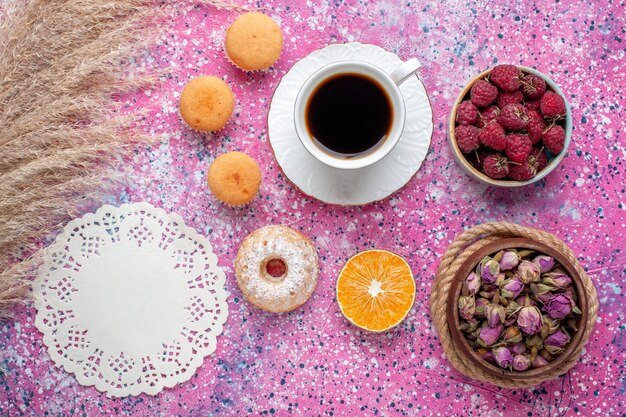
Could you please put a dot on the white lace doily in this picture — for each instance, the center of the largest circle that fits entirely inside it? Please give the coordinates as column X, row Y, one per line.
column 130, row 300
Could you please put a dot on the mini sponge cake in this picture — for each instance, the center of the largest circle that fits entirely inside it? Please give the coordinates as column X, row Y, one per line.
column 206, row 103
column 234, row 178
column 254, row 41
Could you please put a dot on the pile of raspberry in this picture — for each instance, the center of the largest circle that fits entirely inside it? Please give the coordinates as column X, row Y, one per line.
column 510, row 124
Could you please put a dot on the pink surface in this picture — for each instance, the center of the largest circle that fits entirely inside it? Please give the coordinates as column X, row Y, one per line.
column 312, row 361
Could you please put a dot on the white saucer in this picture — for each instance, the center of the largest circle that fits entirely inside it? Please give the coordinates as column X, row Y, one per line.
column 349, row 187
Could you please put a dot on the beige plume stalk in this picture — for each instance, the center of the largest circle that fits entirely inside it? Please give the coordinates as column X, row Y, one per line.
column 61, row 136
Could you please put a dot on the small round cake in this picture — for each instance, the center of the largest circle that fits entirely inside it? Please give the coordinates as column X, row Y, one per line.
column 206, row 103
column 254, row 41
column 234, row 178
column 277, row 268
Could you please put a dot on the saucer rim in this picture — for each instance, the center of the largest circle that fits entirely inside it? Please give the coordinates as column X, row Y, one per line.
column 349, row 204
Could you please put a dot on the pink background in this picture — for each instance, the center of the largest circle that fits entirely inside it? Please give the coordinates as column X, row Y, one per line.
column 312, row 361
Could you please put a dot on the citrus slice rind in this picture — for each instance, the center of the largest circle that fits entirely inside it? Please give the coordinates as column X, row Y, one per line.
column 375, row 290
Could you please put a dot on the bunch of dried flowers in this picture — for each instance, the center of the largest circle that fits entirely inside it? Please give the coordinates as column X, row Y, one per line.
column 517, row 309
column 62, row 62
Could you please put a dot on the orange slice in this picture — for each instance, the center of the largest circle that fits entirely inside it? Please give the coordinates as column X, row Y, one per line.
column 375, row 290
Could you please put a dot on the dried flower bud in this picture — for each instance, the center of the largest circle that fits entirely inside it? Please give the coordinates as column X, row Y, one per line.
column 489, row 270
column 556, row 342
column 495, row 314
column 539, row 361
column 480, row 304
column 557, row 280
column 500, row 278
column 540, row 288
column 466, row 306
column 510, row 259
column 529, row 320
column 511, row 288
column 488, row 294
column 571, row 324
column 518, row 348
column 485, row 354
column 535, row 342
column 512, row 335
column 472, row 283
column 469, row 326
column 546, row 355
column 549, row 326
column 528, row 272
column 503, row 357
column 509, row 321
column 512, row 309
column 489, row 335
column 521, row 362
column 525, row 301
column 544, row 262
column 543, row 297
column 558, row 306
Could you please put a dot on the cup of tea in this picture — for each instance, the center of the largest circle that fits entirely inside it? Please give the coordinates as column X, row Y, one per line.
column 351, row 114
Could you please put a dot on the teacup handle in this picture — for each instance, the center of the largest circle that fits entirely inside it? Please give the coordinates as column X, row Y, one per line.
column 405, row 71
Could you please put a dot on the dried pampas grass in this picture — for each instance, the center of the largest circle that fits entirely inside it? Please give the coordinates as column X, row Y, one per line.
column 61, row 63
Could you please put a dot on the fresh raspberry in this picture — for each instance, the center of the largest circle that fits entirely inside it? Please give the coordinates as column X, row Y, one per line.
column 476, row 158
column 533, row 86
column 538, row 159
column 467, row 137
column 490, row 114
column 496, row 166
column 466, row 113
column 522, row 172
column 493, row 136
column 518, row 147
column 508, row 97
column 552, row 105
column 276, row 268
column 513, row 117
column 483, row 93
column 507, row 77
column 533, row 105
column 554, row 139
column 535, row 126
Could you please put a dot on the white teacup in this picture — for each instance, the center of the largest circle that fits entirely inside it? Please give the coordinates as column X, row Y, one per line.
column 388, row 82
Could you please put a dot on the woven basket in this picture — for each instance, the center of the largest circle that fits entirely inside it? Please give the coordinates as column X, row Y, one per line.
column 458, row 251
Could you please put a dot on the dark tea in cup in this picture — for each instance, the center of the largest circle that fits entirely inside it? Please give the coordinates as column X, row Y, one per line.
column 349, row 115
